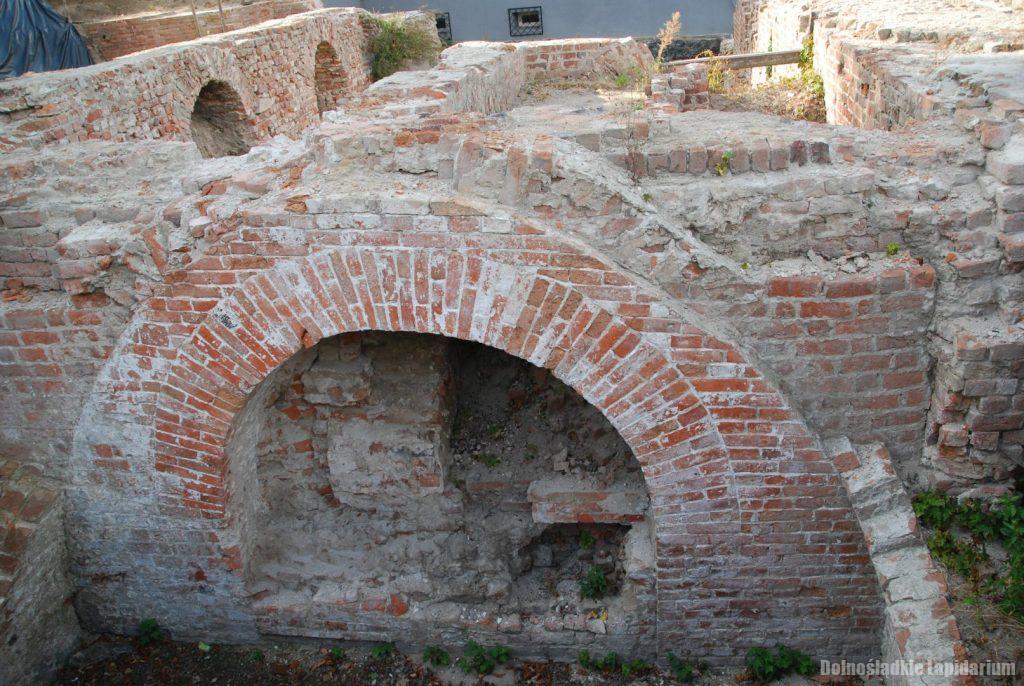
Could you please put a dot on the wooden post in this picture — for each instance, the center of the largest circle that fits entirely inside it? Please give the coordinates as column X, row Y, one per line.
column 195, row 18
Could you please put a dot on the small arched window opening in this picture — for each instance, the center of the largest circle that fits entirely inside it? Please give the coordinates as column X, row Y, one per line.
column 220, row 126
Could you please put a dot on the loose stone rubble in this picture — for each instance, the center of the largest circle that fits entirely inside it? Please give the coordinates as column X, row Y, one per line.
column 246, row 294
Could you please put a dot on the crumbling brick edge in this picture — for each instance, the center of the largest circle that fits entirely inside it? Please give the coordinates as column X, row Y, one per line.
column 919, row 624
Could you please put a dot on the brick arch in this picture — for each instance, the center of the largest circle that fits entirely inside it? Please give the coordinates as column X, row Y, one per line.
column 756, row 542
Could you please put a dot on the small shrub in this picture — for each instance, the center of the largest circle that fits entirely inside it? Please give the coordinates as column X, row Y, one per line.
column 594, row 584
column 396, row 43
column 203, row 647
column 716, row 71
column 892, row 249
column 622, row 81
column 963, row 557
column 382, row 650
column 436, row 657
column 585, row 659
column 337, row 653
column 150, row 632
column 684, row 670
column 765, row 665
column 935, row 509
column 478, row 659
column 256, row 655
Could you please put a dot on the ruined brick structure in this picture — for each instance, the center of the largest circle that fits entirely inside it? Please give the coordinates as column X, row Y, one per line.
column 247, row 294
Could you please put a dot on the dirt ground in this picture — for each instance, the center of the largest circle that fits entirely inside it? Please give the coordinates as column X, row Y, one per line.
column 116, row 661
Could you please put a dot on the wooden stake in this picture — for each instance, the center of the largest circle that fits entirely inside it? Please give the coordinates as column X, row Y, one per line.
column 195, row 18
column 223, row 24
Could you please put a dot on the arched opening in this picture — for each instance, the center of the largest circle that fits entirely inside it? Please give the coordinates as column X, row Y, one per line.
column 328, row 78
column 410, row 486
column 220, row 126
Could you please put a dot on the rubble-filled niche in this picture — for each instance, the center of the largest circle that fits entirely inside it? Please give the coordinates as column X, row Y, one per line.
column 219, row 124
column 422, row 489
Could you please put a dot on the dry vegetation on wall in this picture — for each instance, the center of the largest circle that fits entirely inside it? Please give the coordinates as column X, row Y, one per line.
column 398, row 44
column 793, row 97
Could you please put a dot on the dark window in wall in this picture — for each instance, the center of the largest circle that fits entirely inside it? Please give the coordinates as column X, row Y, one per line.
column 525, row 21
column 444, row 26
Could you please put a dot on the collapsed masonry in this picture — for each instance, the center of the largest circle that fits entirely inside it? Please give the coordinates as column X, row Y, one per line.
column 246, row 294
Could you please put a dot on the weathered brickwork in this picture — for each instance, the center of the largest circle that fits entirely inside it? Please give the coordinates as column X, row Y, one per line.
column 111, row 38
column 187, row 329
column 38, row 626
column 269, row 69
column 919, row 69
column 919, row 624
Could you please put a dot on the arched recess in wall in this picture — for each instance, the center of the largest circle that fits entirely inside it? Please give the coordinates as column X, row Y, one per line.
column 727, row 464
column 328, row 77
column 219, row 124
column 409, row 484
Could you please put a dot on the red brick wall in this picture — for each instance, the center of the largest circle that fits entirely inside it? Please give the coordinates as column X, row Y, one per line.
column 151, row 95
column 739, row 486
column 849, row 349
column 116, row 37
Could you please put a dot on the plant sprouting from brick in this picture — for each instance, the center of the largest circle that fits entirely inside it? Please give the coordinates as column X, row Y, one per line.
column 436, row 657
column 716, row 71
column 962, row 530
column 256, row 655
column 723, row 165
column 634, row 667
column 935, row 509
column 611, row 662
column 765, row 665
column 892, row 249
column 488, row 459
column 398, row 42
column 204, row 647
column 648, row 197
column 150, row 632
column 807, row 72
column 685, row 671
column 587, row 540
column 668, row 33
column 478, row 659
column 382, row 650
column 337, row 653
column 594, row 584
column 745, row 266
column 622, row 81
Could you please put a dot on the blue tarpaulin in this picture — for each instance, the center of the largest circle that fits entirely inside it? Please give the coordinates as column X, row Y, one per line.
column 34, row 37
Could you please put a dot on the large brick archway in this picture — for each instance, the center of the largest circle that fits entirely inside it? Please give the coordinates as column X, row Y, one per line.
column 755, row 539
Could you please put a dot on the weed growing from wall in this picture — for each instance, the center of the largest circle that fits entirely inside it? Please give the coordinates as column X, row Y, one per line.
column 397, row 43
column 962, row 531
